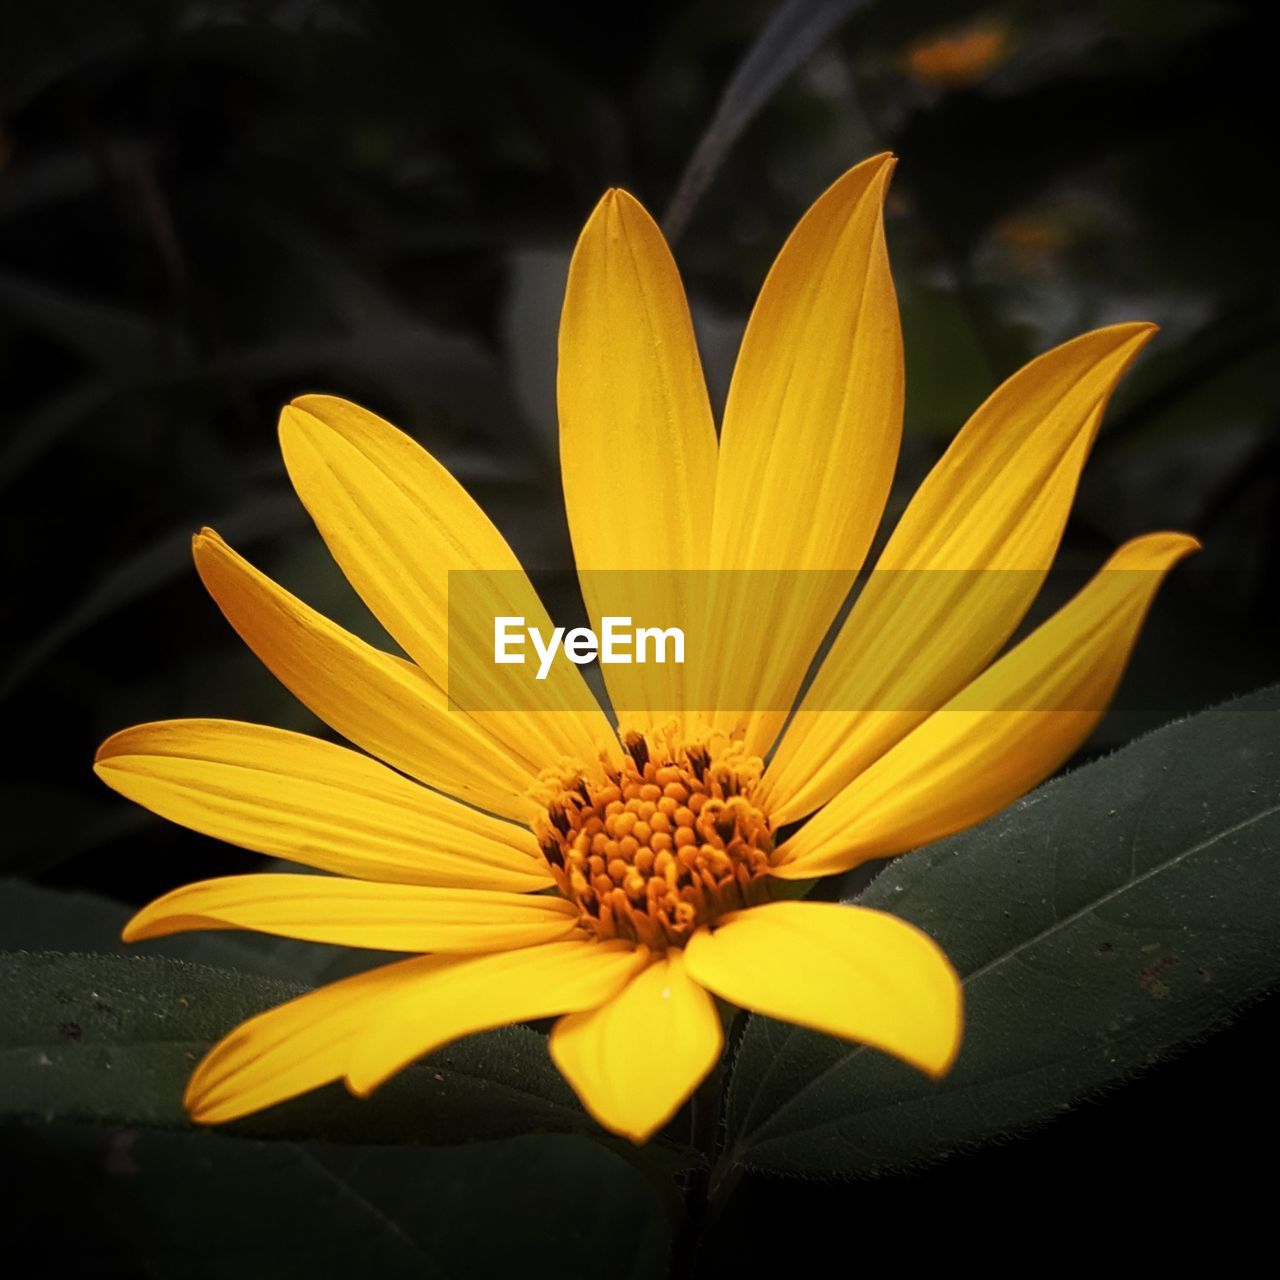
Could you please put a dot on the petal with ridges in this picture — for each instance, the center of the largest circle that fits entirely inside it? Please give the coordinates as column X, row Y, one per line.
column 399, row 525
column 848, row 971
column 359, row 913
column 1002, row 734
column 811, row 432
column 630, row 385
column 300, row 1045
column 313, row 802
column 635, row 1059
column 479, row 992
column 959, row 573
column 367, row 1027
column 381, row 703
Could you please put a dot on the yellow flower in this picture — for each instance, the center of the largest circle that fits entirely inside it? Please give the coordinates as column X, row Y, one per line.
column 621, row 878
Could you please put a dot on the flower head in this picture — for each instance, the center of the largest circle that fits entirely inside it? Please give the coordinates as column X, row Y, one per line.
column 541, row 861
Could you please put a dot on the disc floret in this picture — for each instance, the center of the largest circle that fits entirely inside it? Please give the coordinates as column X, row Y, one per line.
column 667, row 843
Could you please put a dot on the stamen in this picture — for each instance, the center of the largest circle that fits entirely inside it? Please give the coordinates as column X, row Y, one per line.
column 666, row 843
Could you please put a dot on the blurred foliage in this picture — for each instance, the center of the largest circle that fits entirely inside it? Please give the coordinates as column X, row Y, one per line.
column 210, row 206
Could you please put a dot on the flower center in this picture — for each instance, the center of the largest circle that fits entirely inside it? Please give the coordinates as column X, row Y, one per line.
column 666, row 844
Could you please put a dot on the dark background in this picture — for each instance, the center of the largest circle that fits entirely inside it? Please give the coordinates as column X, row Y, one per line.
column 207, row 208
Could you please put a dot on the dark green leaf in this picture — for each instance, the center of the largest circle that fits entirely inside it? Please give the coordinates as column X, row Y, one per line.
column 108, row 1038
column 1108, row 918
column 209, row 1206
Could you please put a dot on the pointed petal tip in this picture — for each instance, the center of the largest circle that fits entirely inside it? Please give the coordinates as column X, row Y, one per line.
column 1161, row 550
column 880, row 169
column 192, row 1095
column 290, row 411
column 135, row 929
column 205, row 539
column 868, row 180
column 880, row 166
column 879, row 160
column 1096, row 345
column 207, row 546
column 314, row 410
column 123, row 741
column 609, row 200
column 618, row 203
column 206, row 1099
column 296, row 420
column 150, row 921
column 195, row 1104
column 1138, row 332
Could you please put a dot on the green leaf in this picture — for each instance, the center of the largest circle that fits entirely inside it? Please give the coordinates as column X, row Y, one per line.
column 206, row 1206
column 1108, row 918
column 109, row 1038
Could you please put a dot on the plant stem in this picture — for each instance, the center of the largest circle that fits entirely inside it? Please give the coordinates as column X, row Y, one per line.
column 704, row 1129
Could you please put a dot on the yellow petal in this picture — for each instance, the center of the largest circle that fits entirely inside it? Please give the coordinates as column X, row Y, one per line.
column 358, row 913
column 810, row 437
column 476, row 993
column 637, row 441
column 847, row 971
column 635, row 1059
column 959, row 573
column 300, row 1045
column 385, row 1018
column 399, row 525
column 1008, row 730
column 313, row 802
column 379, row 702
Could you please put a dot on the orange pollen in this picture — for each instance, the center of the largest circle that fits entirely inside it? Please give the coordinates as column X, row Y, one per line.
column 668, row 843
